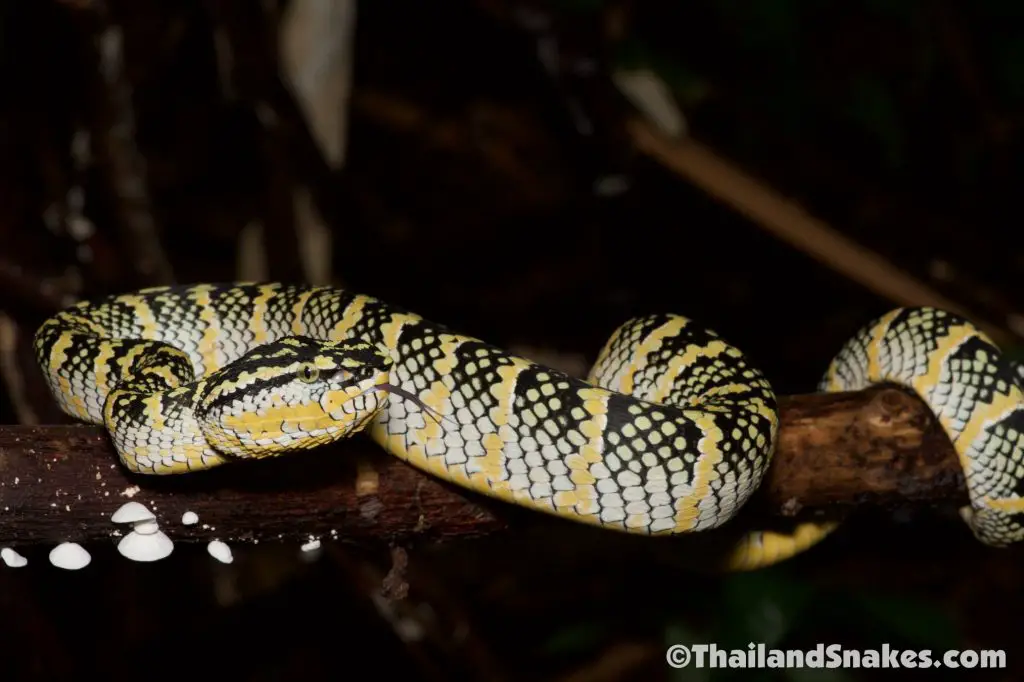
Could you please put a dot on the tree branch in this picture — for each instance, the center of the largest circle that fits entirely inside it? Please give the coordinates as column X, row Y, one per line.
column 876, row 447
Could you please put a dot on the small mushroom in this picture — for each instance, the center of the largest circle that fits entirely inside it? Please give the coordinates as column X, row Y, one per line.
column 70, row 556
column 220, row 551
column 12, row 558
column 146, row 527
column 145, row 546
column 132, row 512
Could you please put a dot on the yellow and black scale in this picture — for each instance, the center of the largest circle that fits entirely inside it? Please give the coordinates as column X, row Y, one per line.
column 671, row 432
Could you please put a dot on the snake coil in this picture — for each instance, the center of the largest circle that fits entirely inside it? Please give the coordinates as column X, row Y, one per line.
column 671, row 432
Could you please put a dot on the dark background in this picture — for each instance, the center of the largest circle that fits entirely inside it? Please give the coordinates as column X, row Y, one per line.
column 475, row 135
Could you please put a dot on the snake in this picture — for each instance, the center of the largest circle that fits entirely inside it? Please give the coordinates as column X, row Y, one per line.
column 671, row 432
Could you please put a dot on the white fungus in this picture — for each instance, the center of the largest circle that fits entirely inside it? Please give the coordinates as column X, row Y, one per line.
column 311, row 545
column 146, row 527
column 145, row 546
column 12, row 558
column 132, row 512
column 219, row 551
column 70, row 556
column 189, row 518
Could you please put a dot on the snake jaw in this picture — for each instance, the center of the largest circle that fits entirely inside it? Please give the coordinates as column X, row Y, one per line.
column 353, row 404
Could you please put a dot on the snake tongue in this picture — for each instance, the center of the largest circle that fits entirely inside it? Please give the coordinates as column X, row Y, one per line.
column 397, row 390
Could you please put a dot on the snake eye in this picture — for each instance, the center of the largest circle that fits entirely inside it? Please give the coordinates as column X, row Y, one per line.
column 308, row 373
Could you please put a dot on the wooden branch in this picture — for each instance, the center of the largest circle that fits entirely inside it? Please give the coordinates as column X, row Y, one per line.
column 877, row 447
column 880, row 447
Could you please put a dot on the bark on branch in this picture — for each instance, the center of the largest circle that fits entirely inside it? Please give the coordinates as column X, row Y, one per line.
column 57, row 483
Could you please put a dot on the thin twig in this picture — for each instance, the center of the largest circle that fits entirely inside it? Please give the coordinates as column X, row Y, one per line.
column 788, row 221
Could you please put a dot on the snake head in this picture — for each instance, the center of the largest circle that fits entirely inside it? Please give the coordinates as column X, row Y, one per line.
column 294, row 393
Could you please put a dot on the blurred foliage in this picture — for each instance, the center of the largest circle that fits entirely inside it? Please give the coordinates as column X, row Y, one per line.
column 776, row 609
column 687, row 85
column 872, row 96
column 780, row 79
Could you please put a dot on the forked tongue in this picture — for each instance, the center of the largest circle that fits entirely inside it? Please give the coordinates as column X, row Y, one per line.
column 391, row 388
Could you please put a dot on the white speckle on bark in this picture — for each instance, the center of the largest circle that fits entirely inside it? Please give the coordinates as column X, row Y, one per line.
column 12, row 558
column 219, row 551
column 132, row 512
column 189, row 518
column 145, row 547
column 311, row 545
column 70, row 556
column 131, row 492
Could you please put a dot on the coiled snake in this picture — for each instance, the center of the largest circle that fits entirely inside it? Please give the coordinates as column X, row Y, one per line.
column 671, row 432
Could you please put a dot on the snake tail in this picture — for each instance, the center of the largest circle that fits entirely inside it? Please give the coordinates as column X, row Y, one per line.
column 973, row 389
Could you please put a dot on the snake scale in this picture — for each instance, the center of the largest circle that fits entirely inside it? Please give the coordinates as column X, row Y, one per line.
column 671, row 432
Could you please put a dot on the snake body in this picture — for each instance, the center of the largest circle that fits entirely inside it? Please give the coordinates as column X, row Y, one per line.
column 671, row 432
